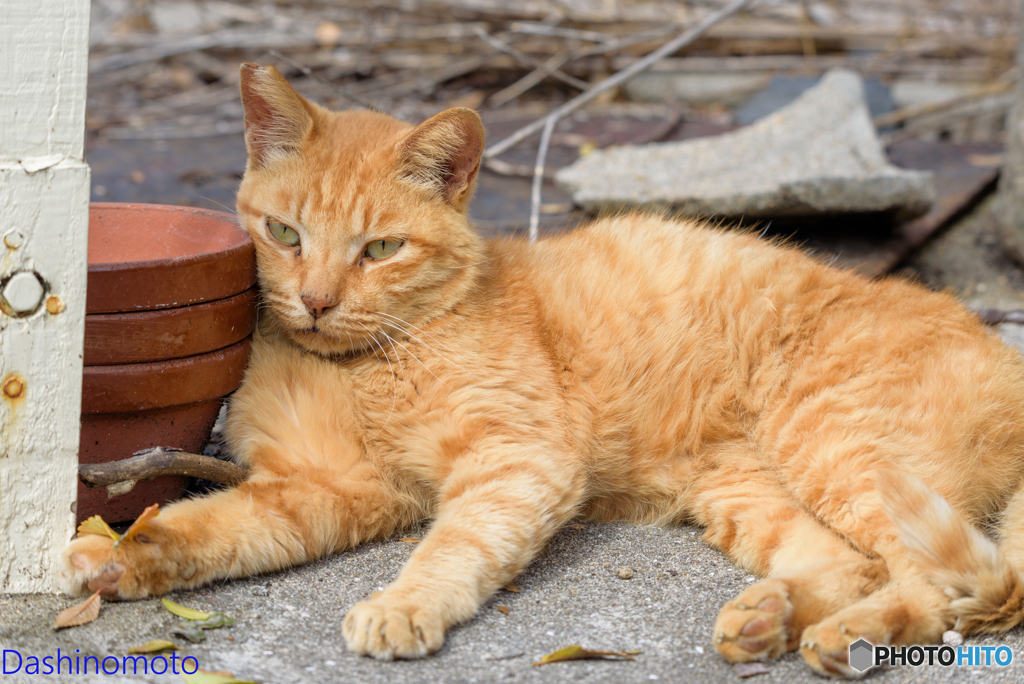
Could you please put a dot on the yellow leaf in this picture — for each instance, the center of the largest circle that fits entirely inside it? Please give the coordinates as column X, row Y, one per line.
column 97, row 525
column 154, row 647
column 410, row 540
column 146, row 515
column 85, row 612
column 586, row 148
column 512, row 586
column 577, row 652
column 503, row 610
column 185, row 613
column 209, row 677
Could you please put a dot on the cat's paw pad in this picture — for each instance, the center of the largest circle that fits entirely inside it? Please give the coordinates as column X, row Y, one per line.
column 826, row 647
column 387, row 630
column 753, row 625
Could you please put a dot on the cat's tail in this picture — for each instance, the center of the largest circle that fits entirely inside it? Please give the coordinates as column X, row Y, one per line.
column 987, row 592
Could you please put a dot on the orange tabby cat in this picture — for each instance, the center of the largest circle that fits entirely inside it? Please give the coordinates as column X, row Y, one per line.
column 641, row 369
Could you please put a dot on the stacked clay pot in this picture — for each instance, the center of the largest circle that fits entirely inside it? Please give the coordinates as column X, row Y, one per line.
column 170, row 309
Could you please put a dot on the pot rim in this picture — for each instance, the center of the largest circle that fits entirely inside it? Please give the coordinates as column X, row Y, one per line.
column 107, row 266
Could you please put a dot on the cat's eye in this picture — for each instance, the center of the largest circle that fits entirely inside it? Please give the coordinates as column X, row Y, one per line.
column 283, row 233
column 382, row 249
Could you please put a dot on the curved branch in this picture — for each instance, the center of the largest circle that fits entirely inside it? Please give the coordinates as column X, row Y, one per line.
column 151, row 463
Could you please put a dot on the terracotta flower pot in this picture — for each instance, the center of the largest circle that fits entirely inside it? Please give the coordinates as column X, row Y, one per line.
column 169, row 310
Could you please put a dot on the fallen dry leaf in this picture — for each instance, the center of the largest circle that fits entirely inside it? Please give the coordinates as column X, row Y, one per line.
column 503, row 610
column 577, row 652
column 214, row 621
column 410, row 540
column 85, row 612
column 154, row 647
column 183, row 612
column 144, row 517
column 209, row 677
column 97, row 525
column 194, row 634
column 512, row 586
column 749, row 669
column 577, row 526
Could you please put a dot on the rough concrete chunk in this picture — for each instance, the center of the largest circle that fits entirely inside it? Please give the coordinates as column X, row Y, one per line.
column 819, row 155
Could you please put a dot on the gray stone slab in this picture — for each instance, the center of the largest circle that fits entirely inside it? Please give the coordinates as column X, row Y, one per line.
column 783, row 90
column 819, row 155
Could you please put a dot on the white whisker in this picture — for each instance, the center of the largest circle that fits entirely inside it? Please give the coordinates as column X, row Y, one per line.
column 393, row 342
column 421, row 341
column 230, row 210
column 394, row 385
column 419, row 330
column 397, row 356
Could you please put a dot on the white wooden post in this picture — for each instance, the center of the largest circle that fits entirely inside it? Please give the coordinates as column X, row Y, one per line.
column 44, row 222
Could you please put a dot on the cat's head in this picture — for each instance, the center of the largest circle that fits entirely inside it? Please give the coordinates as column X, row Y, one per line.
column 359, row 219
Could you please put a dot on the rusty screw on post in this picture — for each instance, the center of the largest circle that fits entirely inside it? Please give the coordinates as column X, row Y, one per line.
column 22, row 294
column 14, row 386
column 54, row 305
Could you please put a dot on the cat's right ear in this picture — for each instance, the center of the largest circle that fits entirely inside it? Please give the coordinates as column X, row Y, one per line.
column 277, row 119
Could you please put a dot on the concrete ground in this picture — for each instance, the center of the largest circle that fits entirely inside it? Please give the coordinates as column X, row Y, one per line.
column 288, row 625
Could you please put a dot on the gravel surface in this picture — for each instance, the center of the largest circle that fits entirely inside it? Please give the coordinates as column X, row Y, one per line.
column 288, row 625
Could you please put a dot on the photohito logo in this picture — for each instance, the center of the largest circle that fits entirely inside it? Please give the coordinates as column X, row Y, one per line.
column 864, row 655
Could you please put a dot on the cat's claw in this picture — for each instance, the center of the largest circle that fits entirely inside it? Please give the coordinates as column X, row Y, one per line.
column 387, row 630
column 753, row 626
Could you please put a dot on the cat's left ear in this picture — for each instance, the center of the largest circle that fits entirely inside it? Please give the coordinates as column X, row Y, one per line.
column 443, row 153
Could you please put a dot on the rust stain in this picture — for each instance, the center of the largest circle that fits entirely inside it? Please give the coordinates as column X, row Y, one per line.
column 14, row 386
column 13, row 390
column 54, row 305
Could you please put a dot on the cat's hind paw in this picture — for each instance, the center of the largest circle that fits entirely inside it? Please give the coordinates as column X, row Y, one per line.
column 387, row 630
column 753, row 625
column 826, row 647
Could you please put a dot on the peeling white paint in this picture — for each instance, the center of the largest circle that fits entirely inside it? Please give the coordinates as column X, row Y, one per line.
column 44, row 205
column 36, row 164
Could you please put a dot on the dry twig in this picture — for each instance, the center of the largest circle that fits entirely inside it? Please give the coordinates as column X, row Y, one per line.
column 120, row 476
column 227, row 38
column 333, row 86
column 531, row 79
column 530, row 61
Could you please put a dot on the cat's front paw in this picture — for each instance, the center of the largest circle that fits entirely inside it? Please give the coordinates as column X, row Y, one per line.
column 754, row 625
column 387, row 629
column 88, row 564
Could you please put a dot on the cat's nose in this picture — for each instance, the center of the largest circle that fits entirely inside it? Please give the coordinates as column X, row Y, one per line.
column 317, row 305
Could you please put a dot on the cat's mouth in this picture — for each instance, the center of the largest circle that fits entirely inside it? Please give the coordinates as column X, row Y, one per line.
column 319, row 341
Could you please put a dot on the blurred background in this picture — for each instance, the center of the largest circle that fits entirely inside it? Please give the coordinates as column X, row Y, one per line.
column 165, row 125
